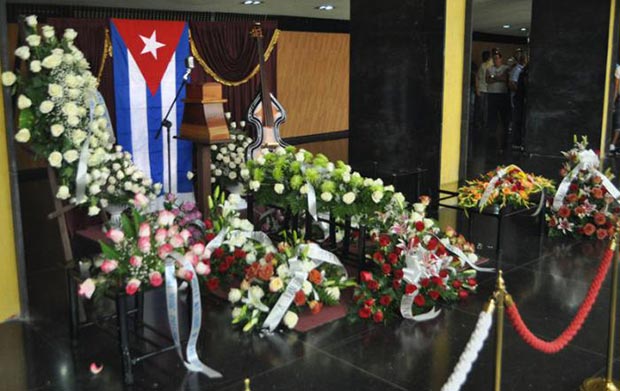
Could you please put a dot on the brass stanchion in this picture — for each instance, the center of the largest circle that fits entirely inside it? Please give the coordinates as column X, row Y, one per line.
column 608, row 383
column 500, row 295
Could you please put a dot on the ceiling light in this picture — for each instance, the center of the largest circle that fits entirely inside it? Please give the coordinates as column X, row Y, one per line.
column 251, row 2
column 506, row 26
column 523, row 29
column 325, row 7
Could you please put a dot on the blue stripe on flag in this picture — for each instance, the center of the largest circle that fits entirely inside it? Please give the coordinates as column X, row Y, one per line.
column 184, row 148
column 121, row 90
column 156, row 146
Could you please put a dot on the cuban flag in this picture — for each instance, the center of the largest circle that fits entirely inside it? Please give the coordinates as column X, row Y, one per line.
column 149, row 63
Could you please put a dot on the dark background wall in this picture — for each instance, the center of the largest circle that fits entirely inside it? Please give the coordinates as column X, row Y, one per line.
column 568, row 48
column 396, row 85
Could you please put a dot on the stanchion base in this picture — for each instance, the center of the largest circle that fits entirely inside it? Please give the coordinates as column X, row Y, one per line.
column 599, row 384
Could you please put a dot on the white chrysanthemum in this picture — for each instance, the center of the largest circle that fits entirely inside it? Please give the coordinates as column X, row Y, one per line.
column 290, row 319
column 23, row 136
column 52, row 61
column 55, row 159
column 23, row 102
column 73, row 120
column 348, row 198
column 377, row 196
column 48, row 32
column 33, row 40
column 70, row 34
column 54, row 90
column 8, row 78
column 94, row 189
column 304, row 189
column 63, row 193
column 93, row 210
column 46, row 106
column 278, row 188
column 234, row 295
column 254, row 185
column 57, row 130
column 71, row 155
column 245, row 173
column 23, row 52
column 232, row 175
column 346, row 177
column 78, row 137
column 31, row 20
column 306, row 287
column 326, row 196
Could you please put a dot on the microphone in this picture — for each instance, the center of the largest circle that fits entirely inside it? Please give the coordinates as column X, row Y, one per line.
column 189, row 64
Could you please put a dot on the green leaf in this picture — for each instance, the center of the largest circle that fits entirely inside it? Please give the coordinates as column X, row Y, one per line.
column 109, row 251
column 128, row 227
column 26, row 119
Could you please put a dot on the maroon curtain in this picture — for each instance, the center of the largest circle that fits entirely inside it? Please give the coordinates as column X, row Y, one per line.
column 232, row 53
column 90, row 40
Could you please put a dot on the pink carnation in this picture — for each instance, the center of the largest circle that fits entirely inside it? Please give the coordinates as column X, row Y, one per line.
column 132, row 286
column 191, row 258
column 135, row 260
column 198, row 248
column 164, row 250
column 144, row 244
column 87, row 288
column 141, row 201
column 161, row 235
column 145, row 230
column 203, row 269
column 115, row 235
column 165, row 218
column 185, row 234
column 108, row 266
column 177, row 241
column 155, row 279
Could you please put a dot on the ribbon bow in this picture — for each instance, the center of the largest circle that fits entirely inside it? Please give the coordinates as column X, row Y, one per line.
column 588, row 161
column 318, row 256
column 412, row 275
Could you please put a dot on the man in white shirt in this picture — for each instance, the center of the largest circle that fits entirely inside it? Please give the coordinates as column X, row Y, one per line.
column 499, row 99
column 481, row 89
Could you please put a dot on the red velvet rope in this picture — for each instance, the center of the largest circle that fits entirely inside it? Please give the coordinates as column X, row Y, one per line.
column 551, row 347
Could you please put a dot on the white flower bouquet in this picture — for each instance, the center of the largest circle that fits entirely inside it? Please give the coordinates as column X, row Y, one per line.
column 62, row 117
column 228, row 160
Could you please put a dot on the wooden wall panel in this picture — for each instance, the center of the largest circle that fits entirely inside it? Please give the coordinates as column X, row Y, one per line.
column 333, row 149
column 313, row 82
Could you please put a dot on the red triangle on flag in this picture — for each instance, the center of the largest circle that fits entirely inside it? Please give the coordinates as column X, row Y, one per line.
column 151, row 44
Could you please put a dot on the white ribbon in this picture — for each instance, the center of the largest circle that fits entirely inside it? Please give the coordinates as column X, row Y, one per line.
column 193, row 362
column 217, row 241
column 470, row 354
column 463, row 257
column 412, row 275
column 318, row 256
column 95, row 98
column 491, row 187
column 311, row 195
column 588, row 161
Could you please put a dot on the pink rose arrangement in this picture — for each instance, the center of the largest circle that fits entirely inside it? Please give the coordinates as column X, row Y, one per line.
column 134, row 255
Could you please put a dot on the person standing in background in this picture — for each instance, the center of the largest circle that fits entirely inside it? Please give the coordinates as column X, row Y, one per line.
column 517, row 85
column 615, row 119
column 481, row 91
column 499, row 100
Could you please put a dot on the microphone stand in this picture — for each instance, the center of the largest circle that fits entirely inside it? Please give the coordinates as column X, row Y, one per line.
column 165, row 123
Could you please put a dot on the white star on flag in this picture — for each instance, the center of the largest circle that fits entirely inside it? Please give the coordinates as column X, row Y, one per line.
column 151, row 45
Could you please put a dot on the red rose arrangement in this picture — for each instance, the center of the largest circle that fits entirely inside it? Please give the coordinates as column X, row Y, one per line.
column 441, row 276
column 587, row 210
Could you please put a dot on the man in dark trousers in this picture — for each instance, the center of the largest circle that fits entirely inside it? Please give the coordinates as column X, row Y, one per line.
column 499, row 100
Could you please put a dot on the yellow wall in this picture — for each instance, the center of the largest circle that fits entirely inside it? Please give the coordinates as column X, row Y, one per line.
column 452, row 91
column 9, row 296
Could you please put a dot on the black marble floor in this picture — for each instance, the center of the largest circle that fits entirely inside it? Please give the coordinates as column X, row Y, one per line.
column 547, row 282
